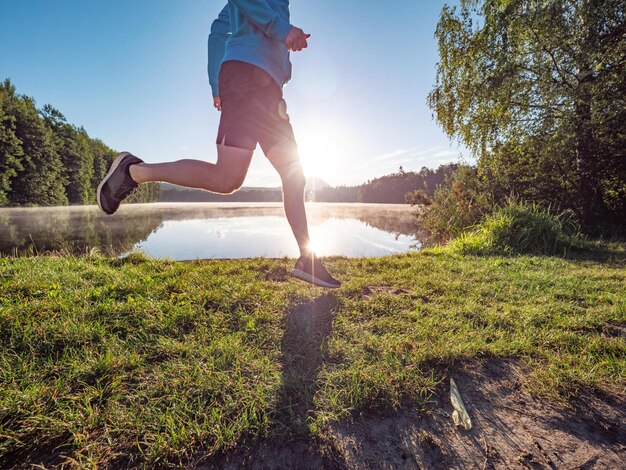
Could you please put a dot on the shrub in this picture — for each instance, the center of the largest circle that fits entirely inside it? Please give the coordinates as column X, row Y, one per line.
column 516, row 227
column 459, row 204
column 418, row 197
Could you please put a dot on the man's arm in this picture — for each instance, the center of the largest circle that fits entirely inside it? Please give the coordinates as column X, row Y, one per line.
column 217, row 43
column 264, row 17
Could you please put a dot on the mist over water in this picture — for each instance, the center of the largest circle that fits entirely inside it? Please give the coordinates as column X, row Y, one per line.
column 184, row 231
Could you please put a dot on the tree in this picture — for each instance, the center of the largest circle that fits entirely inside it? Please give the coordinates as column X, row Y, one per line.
column 10, row 146
column 102, row 157
column 40, row 181
column 537, row 90
column 72, row 145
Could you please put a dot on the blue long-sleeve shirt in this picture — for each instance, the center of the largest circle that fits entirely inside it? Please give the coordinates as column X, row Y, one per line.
column 252, row 31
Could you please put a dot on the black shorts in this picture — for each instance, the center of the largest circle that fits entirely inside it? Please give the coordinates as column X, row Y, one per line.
column 253, row 108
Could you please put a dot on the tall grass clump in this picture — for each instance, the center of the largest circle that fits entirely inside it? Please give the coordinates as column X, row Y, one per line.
column 517, row 227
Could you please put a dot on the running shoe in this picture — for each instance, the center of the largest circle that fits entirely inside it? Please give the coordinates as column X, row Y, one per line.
column 309, row 268
column 117, row 185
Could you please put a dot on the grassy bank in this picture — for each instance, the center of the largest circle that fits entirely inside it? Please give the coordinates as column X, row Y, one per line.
column 143, row 362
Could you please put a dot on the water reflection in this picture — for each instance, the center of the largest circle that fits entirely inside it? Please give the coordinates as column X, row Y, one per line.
column 211, row 230
column 78, row 229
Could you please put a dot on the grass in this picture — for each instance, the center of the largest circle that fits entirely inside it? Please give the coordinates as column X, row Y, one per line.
column 518, row 227
column 140, row 362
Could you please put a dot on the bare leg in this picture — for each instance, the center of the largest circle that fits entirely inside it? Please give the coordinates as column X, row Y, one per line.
column 284, row 157
column 225, row 176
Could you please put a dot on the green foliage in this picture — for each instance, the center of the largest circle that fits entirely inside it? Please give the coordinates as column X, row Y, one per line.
column 537, row 90
column 148, row 192
column 75, row 152
column 11, row 151
column 103, row 156
column 41, row 179
column 457, row 205
column 418, row 197
column 44, row 160
column 519, row 228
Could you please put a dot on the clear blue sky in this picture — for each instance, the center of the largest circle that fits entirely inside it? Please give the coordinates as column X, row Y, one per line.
column 133, row 73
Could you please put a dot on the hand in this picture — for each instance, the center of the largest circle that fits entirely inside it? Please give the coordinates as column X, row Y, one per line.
column 296, row 39
column 217, row 103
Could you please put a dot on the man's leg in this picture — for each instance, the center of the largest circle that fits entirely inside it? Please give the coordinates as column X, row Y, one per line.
column 225, row 176
column 128, row 171
column 284, row 157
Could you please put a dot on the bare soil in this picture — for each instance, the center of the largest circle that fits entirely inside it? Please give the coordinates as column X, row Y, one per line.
column 511, row 430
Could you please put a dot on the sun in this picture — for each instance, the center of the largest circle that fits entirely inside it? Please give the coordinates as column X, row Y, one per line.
column 323, row 149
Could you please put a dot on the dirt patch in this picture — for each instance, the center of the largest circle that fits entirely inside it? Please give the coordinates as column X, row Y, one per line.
column 274, row 455
column 511, row 429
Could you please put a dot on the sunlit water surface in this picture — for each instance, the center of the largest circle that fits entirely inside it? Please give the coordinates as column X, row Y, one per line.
column 209, row 230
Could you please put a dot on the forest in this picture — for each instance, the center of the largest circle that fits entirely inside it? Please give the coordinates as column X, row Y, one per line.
column 46, row 161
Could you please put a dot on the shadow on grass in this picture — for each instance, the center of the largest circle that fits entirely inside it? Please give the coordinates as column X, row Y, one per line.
column 307, row 329
column 601, row 253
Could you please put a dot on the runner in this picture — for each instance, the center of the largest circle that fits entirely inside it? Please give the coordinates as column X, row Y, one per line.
column 249, row 48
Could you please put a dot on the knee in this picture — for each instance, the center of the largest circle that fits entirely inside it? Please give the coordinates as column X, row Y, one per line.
column 228, row 185
column 299, row 181
column 293, row 176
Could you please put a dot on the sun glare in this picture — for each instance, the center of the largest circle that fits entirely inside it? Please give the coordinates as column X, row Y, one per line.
column 324, row 149
column 323, row 241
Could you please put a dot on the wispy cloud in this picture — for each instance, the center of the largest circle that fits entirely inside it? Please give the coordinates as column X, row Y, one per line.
column 433, row 156
column 441, row 155
column 392, row 155
column 412, row 153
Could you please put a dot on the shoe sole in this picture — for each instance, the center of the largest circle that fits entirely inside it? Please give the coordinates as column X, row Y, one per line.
column 114, row 166
column 306, row 277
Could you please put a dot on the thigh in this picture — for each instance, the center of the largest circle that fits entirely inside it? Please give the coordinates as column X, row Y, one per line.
column 233, row 162
column 275, row 135
column 275, row 130
column 243, row 91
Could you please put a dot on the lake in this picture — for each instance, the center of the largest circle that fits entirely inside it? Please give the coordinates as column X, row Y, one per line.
column 186, row 231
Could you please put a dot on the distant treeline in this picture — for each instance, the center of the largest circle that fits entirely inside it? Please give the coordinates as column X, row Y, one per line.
column 44, row 160
column 170, row 193
column 396, row 188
